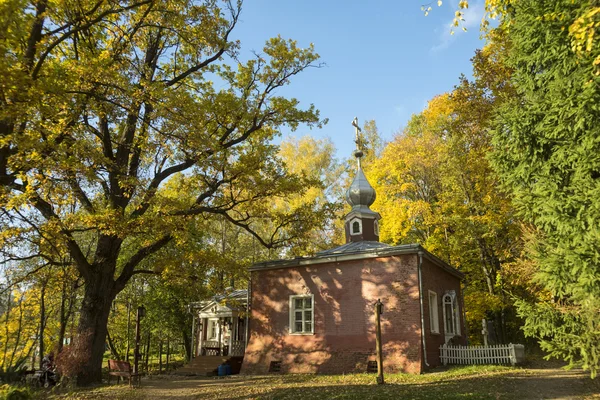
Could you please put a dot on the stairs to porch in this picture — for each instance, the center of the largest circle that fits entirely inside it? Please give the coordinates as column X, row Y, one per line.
column 207, row 365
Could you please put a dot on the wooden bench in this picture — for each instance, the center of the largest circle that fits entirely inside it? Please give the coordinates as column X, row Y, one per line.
column 122, row 369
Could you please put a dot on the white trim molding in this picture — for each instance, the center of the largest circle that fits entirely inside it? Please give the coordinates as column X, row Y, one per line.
column 434, row 319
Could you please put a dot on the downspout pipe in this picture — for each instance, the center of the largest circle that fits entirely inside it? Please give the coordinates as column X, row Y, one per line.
column 248, row 297
column 419, row 268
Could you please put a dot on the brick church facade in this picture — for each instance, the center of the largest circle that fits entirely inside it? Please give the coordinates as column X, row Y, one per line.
column 316, row 314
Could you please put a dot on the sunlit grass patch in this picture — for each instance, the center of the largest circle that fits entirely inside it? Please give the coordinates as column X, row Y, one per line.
column 456, row 383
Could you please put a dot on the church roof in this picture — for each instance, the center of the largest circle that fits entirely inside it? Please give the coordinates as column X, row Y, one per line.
column 357, row 251
column 225, row 299
column 354, row 247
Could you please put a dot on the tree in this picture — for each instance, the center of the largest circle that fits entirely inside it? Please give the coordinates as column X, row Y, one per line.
column 548, row 154
column 322, row 203
column 103, row 103
column 436, row 187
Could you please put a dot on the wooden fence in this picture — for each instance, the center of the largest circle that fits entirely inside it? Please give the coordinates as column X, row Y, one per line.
column 495, row 354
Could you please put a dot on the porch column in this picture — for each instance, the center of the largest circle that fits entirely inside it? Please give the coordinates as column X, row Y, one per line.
column 232, row 332
column 193, row 338
column 202, row 335
column 220, row 335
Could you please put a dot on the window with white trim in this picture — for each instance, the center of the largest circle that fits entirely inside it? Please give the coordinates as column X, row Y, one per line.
column 355, row 226
column 302, row 314
column 212, row 328
column 451, row 314
column 434, row 321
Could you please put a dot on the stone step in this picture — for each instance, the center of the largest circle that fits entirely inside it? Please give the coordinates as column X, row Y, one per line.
column 208, row 365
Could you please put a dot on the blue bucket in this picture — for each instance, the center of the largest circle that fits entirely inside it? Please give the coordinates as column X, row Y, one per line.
column 224, row 370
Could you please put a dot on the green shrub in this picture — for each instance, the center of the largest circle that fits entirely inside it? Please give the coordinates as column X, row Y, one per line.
column 8, row 392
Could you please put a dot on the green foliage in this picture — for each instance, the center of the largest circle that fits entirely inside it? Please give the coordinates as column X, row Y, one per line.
column 14, row 372
column 122, row 121
column 436, row 187
column 548, row 154
column 8, row 392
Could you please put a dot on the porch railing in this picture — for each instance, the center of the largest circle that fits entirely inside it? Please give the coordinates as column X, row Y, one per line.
column 214, row 348
column 237, row 348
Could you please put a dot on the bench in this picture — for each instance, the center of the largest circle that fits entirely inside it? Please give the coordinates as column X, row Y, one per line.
column 122, row 369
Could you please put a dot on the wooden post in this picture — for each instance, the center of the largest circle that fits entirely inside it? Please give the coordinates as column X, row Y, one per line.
column 484, row 332
column 378, row 312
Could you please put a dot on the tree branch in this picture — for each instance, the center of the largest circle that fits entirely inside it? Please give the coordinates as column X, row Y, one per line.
column 138, row 257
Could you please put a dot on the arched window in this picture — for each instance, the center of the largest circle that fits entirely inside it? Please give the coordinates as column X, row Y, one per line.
column 356, row 227
column 451, row 315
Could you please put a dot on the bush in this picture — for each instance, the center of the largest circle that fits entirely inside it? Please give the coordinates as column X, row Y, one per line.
column 15, row 372
column 70, row 362
column 8, row 392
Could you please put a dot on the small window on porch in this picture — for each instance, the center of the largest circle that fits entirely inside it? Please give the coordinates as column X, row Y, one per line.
column 212, row 329
column 301, row 314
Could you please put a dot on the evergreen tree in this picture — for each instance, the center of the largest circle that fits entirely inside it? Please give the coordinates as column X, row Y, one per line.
column 547, row 150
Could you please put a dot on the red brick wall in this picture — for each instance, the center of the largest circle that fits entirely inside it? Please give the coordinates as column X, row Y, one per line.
column 439, row 281
column 344, row 298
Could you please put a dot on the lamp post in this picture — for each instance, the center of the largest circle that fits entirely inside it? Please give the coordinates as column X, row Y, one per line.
column 378, row 312
column 141, row 313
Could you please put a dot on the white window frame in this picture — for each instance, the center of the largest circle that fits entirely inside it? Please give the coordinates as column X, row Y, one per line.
column 434, row 316
column 293, row 314
column 212, row 329
column 451, row 299
column 351, row 227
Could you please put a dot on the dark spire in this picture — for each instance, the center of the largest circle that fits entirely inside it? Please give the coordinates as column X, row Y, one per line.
column 361, row 222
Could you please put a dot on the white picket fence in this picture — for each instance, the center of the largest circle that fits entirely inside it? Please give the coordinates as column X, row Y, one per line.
column 495, row 354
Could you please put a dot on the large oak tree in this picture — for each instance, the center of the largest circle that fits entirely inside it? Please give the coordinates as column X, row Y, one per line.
column 103, row 102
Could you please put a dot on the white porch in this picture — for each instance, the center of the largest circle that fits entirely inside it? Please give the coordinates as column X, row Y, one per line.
column 220, row 325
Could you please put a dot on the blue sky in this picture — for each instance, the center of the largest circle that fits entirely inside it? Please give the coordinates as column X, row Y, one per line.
column 384, row 58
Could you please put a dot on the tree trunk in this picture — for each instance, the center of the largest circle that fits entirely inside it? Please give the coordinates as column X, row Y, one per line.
column 111, row 346
column 7, row 319
column 98, row 296
column 61, row 316
column 168, row 355
column 187, row 345
column 42, row 321
column 19, row 331
column 128, row 329
column 147, row 355
column 160, row 357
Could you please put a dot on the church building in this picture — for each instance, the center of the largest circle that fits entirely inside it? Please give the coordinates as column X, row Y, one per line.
column 317, row 314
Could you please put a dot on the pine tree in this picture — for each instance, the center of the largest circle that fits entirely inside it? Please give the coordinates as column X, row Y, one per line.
column 547, row 150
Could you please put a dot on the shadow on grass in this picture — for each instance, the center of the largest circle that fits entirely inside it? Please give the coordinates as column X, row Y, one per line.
column 493, row 384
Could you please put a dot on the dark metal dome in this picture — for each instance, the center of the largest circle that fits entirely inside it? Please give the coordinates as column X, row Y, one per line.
column 360, row 193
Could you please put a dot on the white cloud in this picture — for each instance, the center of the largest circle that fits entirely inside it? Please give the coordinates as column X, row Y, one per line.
column 472, row 18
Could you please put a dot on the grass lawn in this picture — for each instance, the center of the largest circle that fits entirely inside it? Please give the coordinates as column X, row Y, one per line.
column 474, row 382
